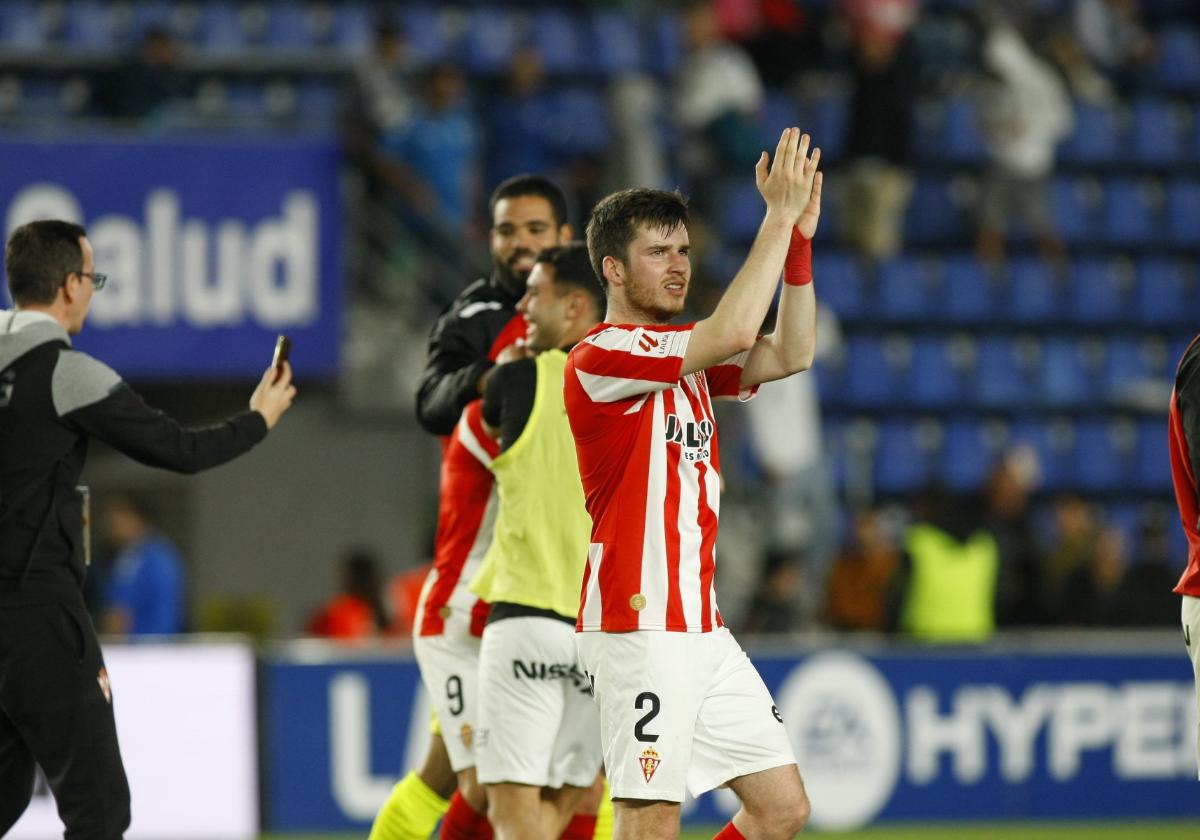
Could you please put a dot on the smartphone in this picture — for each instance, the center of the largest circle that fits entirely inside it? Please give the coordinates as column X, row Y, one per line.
column 283, row 349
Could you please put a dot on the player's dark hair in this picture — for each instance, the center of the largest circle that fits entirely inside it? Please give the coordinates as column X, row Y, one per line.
column 528, row 184
column 38, row 258
column 616, row 218
column 573, row 269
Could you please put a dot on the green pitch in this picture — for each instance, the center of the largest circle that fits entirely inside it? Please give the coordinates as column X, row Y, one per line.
column 1156, row 830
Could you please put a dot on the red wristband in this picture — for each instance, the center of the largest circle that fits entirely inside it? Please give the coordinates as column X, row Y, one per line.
column 797, row 268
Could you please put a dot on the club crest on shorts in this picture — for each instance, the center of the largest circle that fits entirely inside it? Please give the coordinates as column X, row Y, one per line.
column 105, row 685
column 649, row 760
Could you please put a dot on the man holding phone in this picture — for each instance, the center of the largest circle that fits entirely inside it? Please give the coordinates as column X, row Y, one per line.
column 55, row 694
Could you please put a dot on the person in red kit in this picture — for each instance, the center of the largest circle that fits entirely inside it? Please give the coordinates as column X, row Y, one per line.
column 681, row 706
column 528, row 213
column 1184, row 437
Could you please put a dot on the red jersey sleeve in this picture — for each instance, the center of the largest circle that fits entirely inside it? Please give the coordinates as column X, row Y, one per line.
column 725, row 379
column 616, row 363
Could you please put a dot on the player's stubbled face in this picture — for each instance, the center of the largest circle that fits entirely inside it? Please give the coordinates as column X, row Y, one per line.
column 542, row 308
column 521, row 227
column 660, row 270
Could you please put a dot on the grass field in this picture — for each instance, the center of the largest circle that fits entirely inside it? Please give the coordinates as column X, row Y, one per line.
column 1157, row 830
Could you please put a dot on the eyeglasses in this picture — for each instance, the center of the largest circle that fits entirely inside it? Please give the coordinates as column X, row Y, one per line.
column 98, row 278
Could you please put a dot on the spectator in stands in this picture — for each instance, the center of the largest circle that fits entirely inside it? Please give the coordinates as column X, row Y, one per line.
column 946, row 589
column 384, row 81
column 1026, row 113
column 718, row 96
column 775, row 607
column 1006, row 515
column 1113, row 36
column 1143, row 597
column 518, row 120
column 433, row 159
column 144, row 84
column 783, row 37
column 1072, row 546
column 144, row 596
column 358, row 611
column 1093, row 590
column 856, row 595
column 885, row 71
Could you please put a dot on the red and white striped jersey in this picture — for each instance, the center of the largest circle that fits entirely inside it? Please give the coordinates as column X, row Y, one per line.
column 646, row 440
column 466, row 515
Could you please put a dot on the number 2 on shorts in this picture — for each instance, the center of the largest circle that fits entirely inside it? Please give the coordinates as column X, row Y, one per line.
column 454, row 695
column 639, row 729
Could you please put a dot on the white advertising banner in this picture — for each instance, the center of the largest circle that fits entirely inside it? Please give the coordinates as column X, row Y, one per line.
column 186, row 721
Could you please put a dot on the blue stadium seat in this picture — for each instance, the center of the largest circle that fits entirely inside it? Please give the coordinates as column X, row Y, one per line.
column 490, row 40
column 616, row 43
column 1095, row 139
column 425, row 33
column 903, row 458
column 1103, row 456
column 221, row 29
column 967, row 293
column 875, row 371
column 1164, row 295
column 962, row 138
column 932, row 215
column 1033, row 295
column 157, row 13
column 1066, row 380
column 353, row 27
column 1179, row 58
column 1157, row 133
column 780, row 110
column 741, row 209
column 837, row 275
column 1003, row 378
column 20, row 26
column 905, row 291
column 934, row 379
column 665, row 45
column 1053, row 441
column 89, row 25
column 1072, row 210
column 1131, row 217
column 968, row 453
column 558, row 39
column 824, row 116
column 1097, row 295
column 1183, row 211
column 288, row 26
column 1125, row 368
column 1153, row 459
column 318, row 103
column 583, row 116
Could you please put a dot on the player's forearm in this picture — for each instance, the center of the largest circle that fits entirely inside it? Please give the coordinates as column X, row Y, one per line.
column 795, row 336
column 740, row 313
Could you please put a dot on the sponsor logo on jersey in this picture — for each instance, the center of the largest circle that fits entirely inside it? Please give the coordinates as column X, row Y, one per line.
column 650, row 344
column 649, row 760
column 690, row 434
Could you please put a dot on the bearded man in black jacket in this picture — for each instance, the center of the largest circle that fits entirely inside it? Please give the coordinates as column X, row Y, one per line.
column 55, row 695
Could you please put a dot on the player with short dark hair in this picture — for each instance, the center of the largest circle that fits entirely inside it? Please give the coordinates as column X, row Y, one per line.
column 1184, row 438
column 55, row 694
column 538, row 743
column 681, row 706
column 466, row 344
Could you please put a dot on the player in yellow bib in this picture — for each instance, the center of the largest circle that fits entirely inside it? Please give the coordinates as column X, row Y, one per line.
column 537, row 746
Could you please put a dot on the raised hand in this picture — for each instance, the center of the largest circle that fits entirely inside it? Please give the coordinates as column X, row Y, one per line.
column 790, row 183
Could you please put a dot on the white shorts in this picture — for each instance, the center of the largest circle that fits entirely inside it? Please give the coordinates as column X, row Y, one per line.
column 449, row 666
column 680, row 709
column 537, row 722
column 1191, row 637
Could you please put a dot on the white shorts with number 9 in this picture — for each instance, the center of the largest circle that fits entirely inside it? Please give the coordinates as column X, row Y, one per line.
column 449, row 666
column 680, row 710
